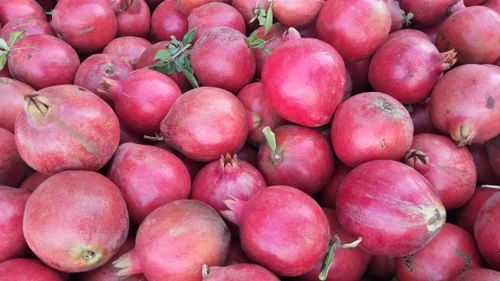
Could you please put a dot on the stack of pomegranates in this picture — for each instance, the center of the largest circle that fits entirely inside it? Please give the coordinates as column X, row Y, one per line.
column 249, row 140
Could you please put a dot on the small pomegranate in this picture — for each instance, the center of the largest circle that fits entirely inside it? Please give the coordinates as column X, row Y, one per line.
column 129, row 48
column 12, row 94
column 429, row 13
column 486, row 230
column 167, row 21
column 27, row 269
column 213, row 15
column 15, row 9
column 237, row 272
column 133, row 18
column 12, row 203
column 297, row 13
column 29, row 25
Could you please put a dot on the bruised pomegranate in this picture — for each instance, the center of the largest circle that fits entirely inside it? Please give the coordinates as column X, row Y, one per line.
column 486, row 231
column 175, row 241
column 144, row 186
column 467, row 214
column 328, row 195
column 92, row 26
column 449, row 168
column 390, row 206
column 371, row 126
column 355, row 28
column 75, row 221
column 215, row 15
column 297, row 13
column 12, row 168
column 225, row 179
column 167, row 21
column 478, row 274
column 27, row 269
column 129, row 48
column 238, row 272
column 12, row 94
column 187, row 6
column 464, row 103
column 269, row 231
column 407, row 67
column 133, row 19
column 94, row 68
column 15, row 9
column 452, row 252
column 30, row 26
column 273, row 39
column 428, row 12
column 493, row 150
column 205, row 123
column 33, row 181
column 66, row 128
column 304, row 81
column 12, row 203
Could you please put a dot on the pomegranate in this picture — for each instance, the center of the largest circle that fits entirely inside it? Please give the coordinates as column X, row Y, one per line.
column 27, row 269
column 175, row 241
column 66, row 127
column 421, row 118
column 187, row 6
column 92, row 26
column 467, row 214
column 213, row 15
column 12, row 203
column 473, row 2
column 493, row 150
column 33, row 181
column 94, row 68
column 167, row 21
column 144, row 186
column 297, row 13
column 236, row 254
column 15, row 9
column 390, row 206
column 486, row 230
column 129, row 48
column 226, row 179
column 83, row 223
column 328, row 195
column 428, row 12
column 222, row 58
column 42, row 61
column 273, row 39
column 304, row 80
column 398, row 16
column 485, row 174
column 205, row 123
column 358, row 72
column 407, row 67
column 354, row 28
column 12, row 168
column 449, row 168
column 141, row 99
column 450, row 253
column 478, row 274
column 473, row 33
column 251, row 9
column 12, row 94
column 382, row 129
column 261, row 113
column 382, row 267
column 30, row 26
column 269, row 233
column 133, row 19
column 238, row 272
column 464, row 103
column 494, row 5
column 296, row 156
column 432, row 32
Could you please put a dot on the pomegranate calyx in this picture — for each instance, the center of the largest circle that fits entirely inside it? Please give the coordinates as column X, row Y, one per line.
column 448, row 59
column 406, row 19
column 36, row 105
column 417, row 159
column 128, row 264
column 228, row 161
column 89, row 254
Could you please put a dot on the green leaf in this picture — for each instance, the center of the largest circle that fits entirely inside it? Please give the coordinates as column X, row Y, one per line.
column 267, row 51
column 189, row 36
column 270, row 138
column 3, row 45
column 14, row 36
column 3, row 60
column 269, row 20
column 162, row 55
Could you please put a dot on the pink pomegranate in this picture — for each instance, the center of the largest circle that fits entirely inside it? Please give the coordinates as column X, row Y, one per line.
column 187, row 6
column 33, row 181
column 493, row 150
column 167, row 21
column 205, row 123
column 250, row 9
column 273, row 39
column 478, row 274
column 129, row 48
column 358, row 72
column 328, row 195
column 428, row 12
column 467, row 214
column 92, row 26
column 12, row 168
column 175, row 241
column 141, row 99
column 27, row 269
column 29, row 25
column 371, row 126
column 421, row 118
column 15, row 9
column 486, row 229
column 213, row 15
column 42, row 61
column 12, row 202
column 449, row 168
column 494, row 5
column 66, row 128
column 355, row 28
column 408, row 67
column 226, row 179
column 297, row 13
column 473, row 33
column 485, row 174
column 304, row 81
column 238, row 272
column 452, row 252
column 390, row 206
column 269, row 233
column 94, row 68
column 144, row 186
column 133, row 19
column 464, row 103
column 12, row 94
column 83, row 223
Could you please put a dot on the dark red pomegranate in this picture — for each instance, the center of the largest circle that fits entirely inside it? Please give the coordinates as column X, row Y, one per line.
column 187, row 6
column 382, row 267
column 467, row 214
column 493, row 150
column 421, row 118
column 167, row 21
column 479, row 274
column 12, row 94
column 33, row 181
column 15, row 9
column 66, row 128
column 129, row 48
column 12, row 203
column 12, row 168
column 297, row 13
column 213, row 15
column 273, row 39
column 358, row 72
column 428, row 12
column 328, row 195
column 76, row 221
column 485, row 174
column 29, row 25
column 133, row 19
column 27, row 269
column 390, row 206
column 238, row 272
column 486, row 231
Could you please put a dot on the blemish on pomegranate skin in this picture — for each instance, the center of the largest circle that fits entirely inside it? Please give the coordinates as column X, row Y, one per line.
column 490, row 102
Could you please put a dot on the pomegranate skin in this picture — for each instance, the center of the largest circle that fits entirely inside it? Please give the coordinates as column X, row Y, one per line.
column 269, row 233
column 473, row 33
column 421, row 118
column 464, row 103
column 390, row 206
column 408, row 67
column 213, row 15
column 484, row 171
column 467, row 214
column 225, row 179
column 358, row 72
column 493, row 150
column 479, row 274
column 129, row 48
column 427, row 12
column 449, row 168
column 486, row 229
column 236, row 254
column 15, row 9
column 12, row 168
column 450, row 253
column 494, row 5
column 134, row 19
column 93, row 68
column 88, row 25
column 144, row 186
column 382, row 129
column 167, row 21
column 12, row 203
column 31, row 26
column 304, row 81
column 42, row 61
column 76, row 221
column 205, row 123
column 222, row 58
column 27, row 269
column 238, row 272
column 175, row 241
column 142, row 99
column 297, row 13
column 70, row 129
column 33, row 181
column 187, row 6
column 274, row 39
column 303, row 159
column 328, row 195
column 354, row 28
column 382, row 267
